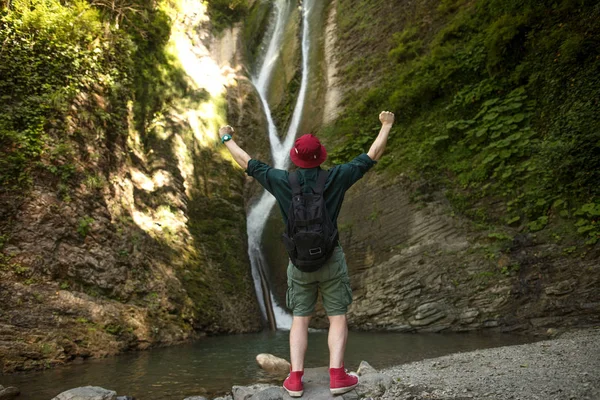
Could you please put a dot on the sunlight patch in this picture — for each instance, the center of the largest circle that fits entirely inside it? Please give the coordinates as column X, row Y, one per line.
column 141, row 180
column 184, row 162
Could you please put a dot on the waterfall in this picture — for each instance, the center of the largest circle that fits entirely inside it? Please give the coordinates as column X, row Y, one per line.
column 256, row 219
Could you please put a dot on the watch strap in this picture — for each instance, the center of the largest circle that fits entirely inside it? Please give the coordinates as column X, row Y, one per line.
column 225, row 138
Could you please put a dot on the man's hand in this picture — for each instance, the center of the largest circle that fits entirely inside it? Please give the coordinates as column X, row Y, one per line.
column 378, row 146
column 239, row 155
column 386, row 118
column 225, row 130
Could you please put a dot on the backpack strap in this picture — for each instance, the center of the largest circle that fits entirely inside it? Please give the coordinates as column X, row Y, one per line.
column 293, row 180
column 321, row 179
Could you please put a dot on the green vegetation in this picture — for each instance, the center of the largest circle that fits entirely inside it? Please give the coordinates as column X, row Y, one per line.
column 374, row 215
column 47, row 348
column 282, row 115
column 67, row 72
column 93, row 182
column 254, row 30
column 84, row 226
column 224, row 13
column 113, row 329
column 495, row 101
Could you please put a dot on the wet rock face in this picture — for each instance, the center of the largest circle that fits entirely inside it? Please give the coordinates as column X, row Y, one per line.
column 415, row 268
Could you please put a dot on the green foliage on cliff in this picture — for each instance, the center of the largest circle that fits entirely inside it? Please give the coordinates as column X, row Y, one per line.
column 59, row 57
column 495, row 100
column 224, row 13
column 254, row 31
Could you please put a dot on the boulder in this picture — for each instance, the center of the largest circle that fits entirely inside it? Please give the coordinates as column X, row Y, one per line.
column 273, row 364
column 87, row 393
column 8, row 393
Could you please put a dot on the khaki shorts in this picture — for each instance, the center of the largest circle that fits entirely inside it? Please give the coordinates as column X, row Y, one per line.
column 331, row 280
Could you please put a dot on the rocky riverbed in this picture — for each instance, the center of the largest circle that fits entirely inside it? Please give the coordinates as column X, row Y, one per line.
column 558, row 369
column 565, row 367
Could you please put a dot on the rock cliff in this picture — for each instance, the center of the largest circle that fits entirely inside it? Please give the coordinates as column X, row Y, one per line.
column 414, row 267
column 148, row 246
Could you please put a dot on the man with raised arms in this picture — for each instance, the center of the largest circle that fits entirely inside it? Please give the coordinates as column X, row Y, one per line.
column 331, row 279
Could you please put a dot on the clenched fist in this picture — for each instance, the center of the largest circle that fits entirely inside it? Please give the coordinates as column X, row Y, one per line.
column 225, row 130
column 386, row 118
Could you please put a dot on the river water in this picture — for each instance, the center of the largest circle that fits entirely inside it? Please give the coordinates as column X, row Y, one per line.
column 211, row 366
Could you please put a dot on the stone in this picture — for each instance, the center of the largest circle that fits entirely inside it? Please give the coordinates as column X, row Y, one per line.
column 426, row 321
column 468, row 316
column 551, row 332
column 365, row 369
column 197, row 398
column 87, row 393
column 426, row 310
column 246, row 392
column 272, row 393
column 373, row 384
column 561, row 288
column 273, row 364
column 7, row 393
column 228, row 397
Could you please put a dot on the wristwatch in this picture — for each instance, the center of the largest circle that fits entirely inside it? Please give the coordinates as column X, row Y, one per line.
column 225, row 138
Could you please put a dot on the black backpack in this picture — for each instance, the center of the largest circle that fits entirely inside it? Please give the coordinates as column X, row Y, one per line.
column 310, row 236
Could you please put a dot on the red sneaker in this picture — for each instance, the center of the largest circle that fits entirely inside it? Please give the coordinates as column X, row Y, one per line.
column 340, row 381
column 293, row 383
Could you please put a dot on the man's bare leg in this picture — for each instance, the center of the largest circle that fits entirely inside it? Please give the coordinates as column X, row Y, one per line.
column 298, row 342
column 338, row 334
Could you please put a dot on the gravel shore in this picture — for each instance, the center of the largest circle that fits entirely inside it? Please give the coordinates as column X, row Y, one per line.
column 567, row 367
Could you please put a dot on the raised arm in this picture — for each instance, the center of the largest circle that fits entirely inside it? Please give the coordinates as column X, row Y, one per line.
column 239, row 155
column 378, row 146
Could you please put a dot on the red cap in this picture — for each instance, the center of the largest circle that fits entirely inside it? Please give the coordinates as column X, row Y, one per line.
column 308, row 152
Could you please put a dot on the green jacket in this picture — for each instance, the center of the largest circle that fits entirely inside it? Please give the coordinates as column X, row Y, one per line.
column 341, row 178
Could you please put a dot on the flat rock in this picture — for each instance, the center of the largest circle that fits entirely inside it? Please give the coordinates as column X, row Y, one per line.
column 87, row 393
column 316, row 386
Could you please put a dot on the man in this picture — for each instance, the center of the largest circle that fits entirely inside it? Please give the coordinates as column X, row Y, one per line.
column 332, row 278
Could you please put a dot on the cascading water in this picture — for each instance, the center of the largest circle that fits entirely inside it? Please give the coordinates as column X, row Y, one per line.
column 256, row 219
